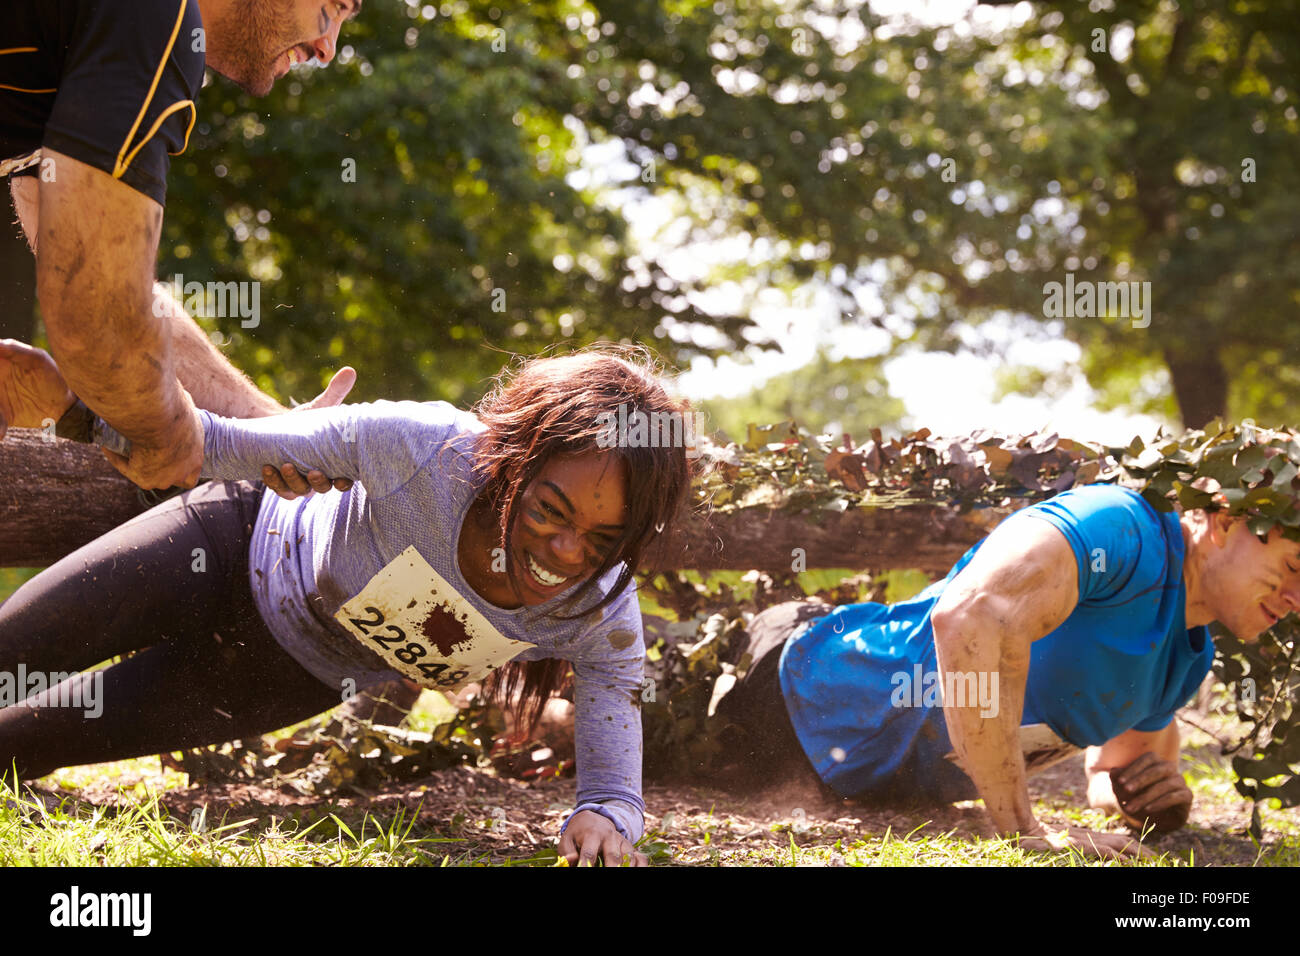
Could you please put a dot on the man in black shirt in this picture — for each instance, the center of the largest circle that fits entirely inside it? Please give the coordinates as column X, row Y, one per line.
column 95, row 95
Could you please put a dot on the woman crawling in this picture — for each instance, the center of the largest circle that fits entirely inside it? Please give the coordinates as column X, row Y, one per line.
column 497, row 544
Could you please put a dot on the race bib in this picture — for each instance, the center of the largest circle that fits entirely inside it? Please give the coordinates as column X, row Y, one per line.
column 423, row 628
column 1041, row 747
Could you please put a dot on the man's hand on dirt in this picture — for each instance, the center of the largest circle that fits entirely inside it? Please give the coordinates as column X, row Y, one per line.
column 1152, row 794
column 287, row 481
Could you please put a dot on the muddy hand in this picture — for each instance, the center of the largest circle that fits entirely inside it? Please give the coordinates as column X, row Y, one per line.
column 32, row 390
column 174, row 460
column 1152, row 793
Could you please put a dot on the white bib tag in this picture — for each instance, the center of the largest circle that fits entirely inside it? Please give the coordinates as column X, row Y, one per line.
column 421, row 626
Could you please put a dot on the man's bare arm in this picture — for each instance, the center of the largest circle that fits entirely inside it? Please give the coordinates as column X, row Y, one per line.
column 202, row 370
column 1021, row 585
column 207, row 375
column 97, row 241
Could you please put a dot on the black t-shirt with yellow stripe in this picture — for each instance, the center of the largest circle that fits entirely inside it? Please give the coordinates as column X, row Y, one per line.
column 111, row 83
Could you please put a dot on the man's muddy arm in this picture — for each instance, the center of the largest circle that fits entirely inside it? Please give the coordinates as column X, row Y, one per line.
column 95, row 252
column 1020, row 586
column 207, row 375
column 202, row 370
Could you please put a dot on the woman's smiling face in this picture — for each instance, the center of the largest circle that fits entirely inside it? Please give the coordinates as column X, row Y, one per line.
column 570, row 517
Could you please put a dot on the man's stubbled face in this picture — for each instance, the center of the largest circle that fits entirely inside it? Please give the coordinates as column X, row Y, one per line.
column 1252, row 584
column 257, row 41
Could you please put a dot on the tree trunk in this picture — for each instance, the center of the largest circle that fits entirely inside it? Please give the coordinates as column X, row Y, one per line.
column 1200, row 386
column 56, row 496
column 928, row 537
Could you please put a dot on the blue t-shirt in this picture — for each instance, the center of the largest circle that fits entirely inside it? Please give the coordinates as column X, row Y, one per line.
column 856, row 682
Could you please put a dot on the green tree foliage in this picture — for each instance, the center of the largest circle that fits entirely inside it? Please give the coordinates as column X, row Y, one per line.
column 932, row 178
column 1197, row 192
column 848, row 395
column 406, row 211
column 961, row 173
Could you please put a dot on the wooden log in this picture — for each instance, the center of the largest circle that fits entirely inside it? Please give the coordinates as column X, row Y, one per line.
column 928, row 537
column 57, row 495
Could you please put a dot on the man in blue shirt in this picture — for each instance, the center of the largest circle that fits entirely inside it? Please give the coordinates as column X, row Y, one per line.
column 1079, row 622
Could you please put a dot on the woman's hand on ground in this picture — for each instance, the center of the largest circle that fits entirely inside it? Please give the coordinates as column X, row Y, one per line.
column 32, row 390
column 590, row 837
column 287, row 481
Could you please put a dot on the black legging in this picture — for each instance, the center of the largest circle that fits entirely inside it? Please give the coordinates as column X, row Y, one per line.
column 205, row 668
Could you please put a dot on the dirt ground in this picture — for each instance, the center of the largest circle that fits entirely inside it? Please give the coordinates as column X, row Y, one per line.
column 498, row 820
